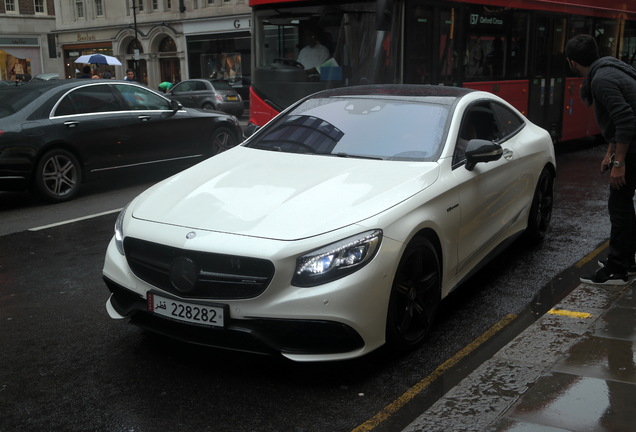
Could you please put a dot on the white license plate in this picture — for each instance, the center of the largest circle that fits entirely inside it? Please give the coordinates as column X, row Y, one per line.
column 207, row 315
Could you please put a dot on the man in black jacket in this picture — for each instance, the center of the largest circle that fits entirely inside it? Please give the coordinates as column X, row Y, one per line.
column 610, row 85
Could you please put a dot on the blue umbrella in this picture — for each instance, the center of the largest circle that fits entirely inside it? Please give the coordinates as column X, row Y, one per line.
column 98, row 59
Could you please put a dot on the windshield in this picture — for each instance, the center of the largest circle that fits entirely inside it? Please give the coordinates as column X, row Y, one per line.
column 359, row 127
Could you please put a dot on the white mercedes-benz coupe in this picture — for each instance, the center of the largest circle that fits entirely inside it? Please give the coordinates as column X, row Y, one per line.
column 336, row 228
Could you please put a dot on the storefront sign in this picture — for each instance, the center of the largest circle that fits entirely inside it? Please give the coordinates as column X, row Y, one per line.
column 85, row 37
column 19, row 41
column 218, row 25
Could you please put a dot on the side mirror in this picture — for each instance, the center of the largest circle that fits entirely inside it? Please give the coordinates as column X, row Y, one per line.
column 175, row 106
column 479, row 150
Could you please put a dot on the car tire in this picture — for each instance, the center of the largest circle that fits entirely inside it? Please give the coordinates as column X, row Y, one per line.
column 541, row 208
column 58, row 176
column 222, row 139
column 415, row 296
column 208, row 107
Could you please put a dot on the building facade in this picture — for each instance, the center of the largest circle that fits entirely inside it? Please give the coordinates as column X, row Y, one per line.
column 161, row 40
column 27, row 44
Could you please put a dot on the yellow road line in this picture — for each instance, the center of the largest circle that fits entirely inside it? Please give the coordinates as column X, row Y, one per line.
column 394, row 406
column 592, row 255
column 572, row 314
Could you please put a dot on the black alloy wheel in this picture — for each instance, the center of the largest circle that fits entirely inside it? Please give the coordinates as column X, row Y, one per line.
column 415, row 295
column 58, row 175
column 541, row 208
column 222, row 139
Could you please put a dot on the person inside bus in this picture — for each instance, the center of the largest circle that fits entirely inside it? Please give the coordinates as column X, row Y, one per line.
column 610, row 86
column 314, row 53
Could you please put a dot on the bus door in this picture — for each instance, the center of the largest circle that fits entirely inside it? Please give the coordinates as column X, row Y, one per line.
column 547, row 73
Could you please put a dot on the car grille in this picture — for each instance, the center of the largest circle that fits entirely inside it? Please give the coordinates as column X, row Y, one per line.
column 213, row 276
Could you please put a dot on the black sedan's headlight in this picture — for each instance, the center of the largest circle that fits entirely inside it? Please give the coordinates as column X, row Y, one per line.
column 336, row 260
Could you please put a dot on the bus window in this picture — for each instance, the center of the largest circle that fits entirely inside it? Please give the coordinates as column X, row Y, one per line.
column 628, row 46
column 447, row 63
column 359, row 52
column 418, row 44
column 606, row 34
column 493, row 44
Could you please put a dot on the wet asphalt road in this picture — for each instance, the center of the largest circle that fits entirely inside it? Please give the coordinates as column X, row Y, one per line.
column 64, row 365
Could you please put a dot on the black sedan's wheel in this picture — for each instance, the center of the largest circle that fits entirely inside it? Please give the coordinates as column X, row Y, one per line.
column 58, row 175
column 223, row 139
column 208, row 107
column 541, row 209
column 415, row 295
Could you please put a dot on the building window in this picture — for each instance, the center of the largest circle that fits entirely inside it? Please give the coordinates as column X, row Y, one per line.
column 168, row 4
column 99, row 8
column 140, row 5
column 9, row 6
column 39, row 6
column 79, row 9
column 155, row 4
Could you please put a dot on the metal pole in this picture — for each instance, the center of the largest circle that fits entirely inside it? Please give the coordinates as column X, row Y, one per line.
column 136, row 61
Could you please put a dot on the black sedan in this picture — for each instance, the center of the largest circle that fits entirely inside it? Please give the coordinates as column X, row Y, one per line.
column 56, row 134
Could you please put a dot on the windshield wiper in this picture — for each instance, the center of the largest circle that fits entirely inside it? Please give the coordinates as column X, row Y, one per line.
column 347, row 155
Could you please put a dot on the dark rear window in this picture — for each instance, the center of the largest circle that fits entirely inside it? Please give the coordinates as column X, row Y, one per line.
column 221, row 85
column 13, row 99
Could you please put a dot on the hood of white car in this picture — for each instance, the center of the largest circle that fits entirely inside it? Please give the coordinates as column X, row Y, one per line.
column 281, row 196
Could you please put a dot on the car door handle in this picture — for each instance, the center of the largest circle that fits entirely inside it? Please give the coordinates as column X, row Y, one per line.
column 71, row 123
column 507, row 154
column 144, row 118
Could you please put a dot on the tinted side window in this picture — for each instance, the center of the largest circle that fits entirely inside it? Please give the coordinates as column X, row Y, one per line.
column 478, row 122
column 88, row 100
column 138, row 98
column 509, row 121
column 182, row 87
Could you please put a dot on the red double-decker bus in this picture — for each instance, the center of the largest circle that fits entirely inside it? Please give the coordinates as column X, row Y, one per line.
column 513, row 48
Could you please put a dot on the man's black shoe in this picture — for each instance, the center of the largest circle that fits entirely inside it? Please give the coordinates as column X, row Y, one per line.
column 603, row 277
column 631, row 271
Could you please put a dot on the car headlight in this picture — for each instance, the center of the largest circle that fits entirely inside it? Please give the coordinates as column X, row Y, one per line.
column 119, row 230
column 336, row 260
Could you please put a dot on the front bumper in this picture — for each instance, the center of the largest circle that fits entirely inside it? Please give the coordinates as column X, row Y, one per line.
column 290, row 337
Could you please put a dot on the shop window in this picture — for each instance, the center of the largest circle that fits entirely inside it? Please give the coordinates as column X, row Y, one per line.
column 167, row 45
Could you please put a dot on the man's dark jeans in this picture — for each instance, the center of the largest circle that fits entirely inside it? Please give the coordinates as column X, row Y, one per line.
column 623, row 219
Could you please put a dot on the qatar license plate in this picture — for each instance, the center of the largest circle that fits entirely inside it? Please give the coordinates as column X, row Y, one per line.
column 207, row 315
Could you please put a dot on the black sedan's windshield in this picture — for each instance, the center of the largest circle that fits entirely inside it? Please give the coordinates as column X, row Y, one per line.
column 359, row 127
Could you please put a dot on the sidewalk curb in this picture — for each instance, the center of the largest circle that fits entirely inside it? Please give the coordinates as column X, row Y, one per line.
column 483, row 398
